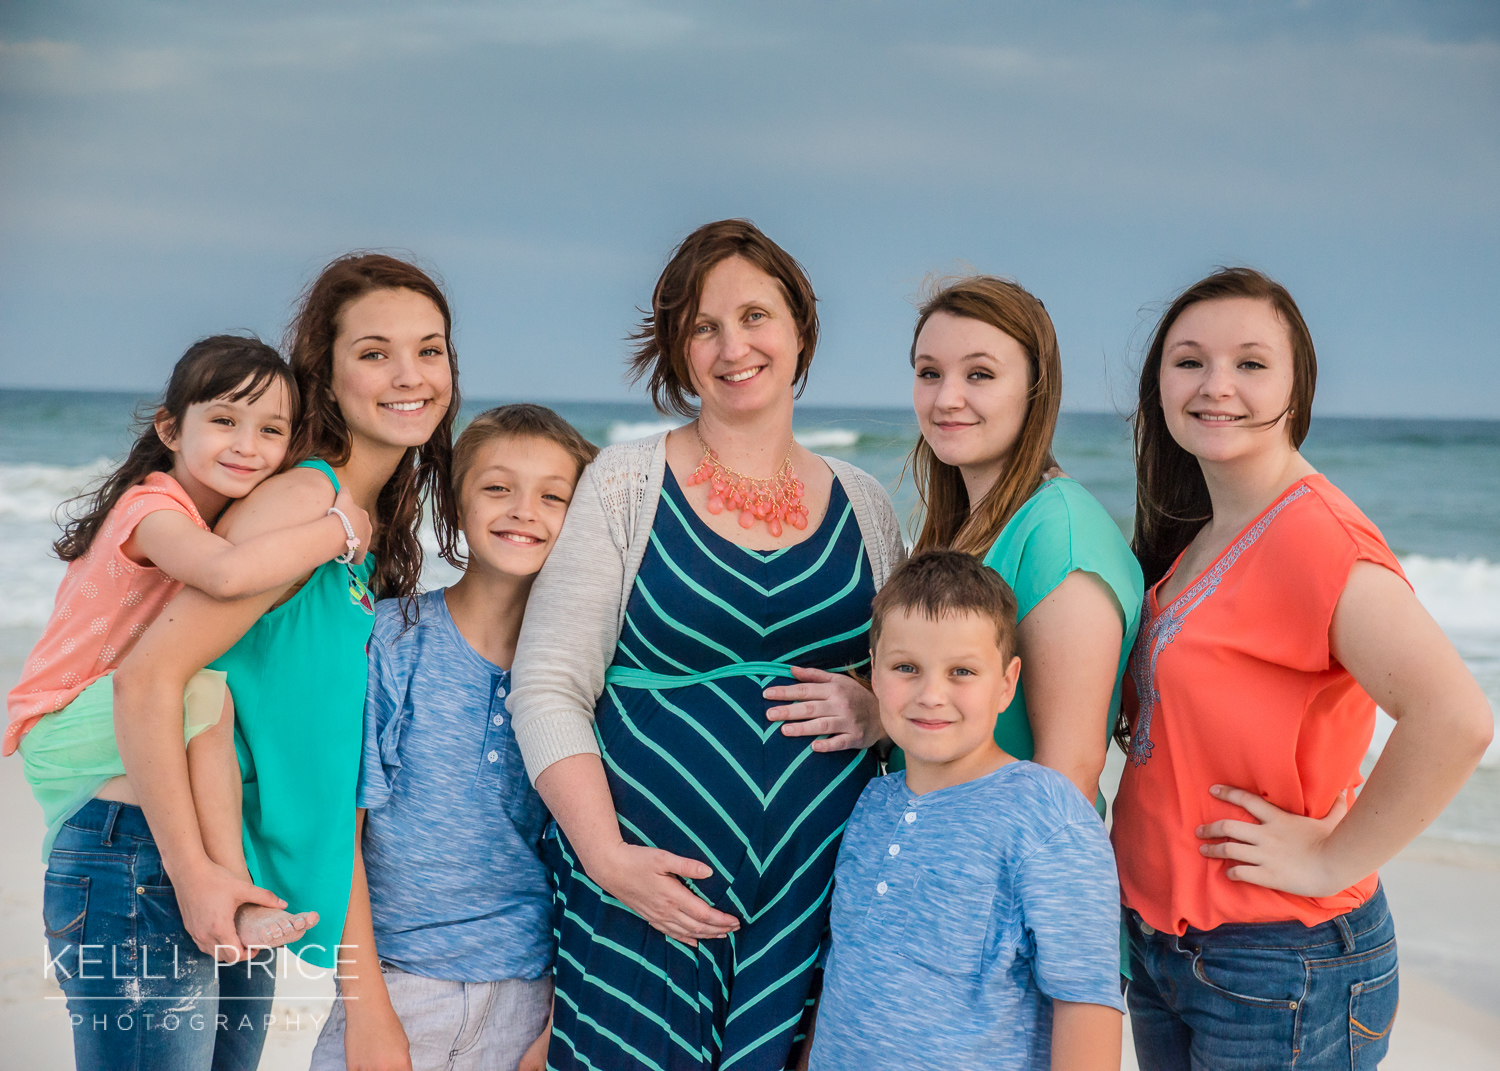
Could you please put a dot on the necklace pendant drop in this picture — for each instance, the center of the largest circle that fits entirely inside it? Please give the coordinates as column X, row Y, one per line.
column 777, row 501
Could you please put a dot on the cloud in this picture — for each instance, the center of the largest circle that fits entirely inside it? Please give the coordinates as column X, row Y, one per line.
column 323, row 38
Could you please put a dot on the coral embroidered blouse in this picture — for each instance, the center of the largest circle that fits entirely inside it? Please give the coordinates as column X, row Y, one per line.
column 1233, row 683
column 104, row 604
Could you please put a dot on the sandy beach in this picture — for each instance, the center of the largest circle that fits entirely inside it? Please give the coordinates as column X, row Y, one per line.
column 1444, row 896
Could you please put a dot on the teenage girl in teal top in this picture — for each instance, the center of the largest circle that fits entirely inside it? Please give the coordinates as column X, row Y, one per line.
column 298, row 679
column 987, row 392
column 378, row 376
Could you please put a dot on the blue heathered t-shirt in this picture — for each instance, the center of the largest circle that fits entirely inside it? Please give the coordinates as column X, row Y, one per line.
column 959, row 916
column 457, row 889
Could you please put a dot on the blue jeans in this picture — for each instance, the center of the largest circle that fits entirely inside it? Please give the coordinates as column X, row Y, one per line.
column 141, row 996
column 1260, row 996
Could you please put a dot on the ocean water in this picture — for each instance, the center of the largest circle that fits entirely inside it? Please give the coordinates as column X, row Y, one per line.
column 1433, row 487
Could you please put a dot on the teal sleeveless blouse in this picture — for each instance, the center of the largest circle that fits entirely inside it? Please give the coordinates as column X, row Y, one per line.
column 298, row 681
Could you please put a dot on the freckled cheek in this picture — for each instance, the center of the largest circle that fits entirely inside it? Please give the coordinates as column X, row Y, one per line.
column 441, row 380
column 355, row 383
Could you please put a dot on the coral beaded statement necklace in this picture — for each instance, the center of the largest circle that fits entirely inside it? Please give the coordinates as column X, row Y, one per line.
column 776, row 500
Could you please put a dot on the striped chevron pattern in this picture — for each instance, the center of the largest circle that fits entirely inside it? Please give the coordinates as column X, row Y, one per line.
column 698, row 771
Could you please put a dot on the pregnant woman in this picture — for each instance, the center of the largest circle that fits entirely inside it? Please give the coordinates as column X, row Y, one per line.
column 696, row 841
column 378, row 376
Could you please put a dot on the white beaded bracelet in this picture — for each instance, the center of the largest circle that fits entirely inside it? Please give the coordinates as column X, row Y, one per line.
column 351, row 542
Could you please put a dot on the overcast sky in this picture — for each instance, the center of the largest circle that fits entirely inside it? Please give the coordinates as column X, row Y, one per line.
column 169, row 170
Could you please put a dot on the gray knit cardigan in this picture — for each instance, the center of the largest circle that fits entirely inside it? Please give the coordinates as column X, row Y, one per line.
column 577, row 605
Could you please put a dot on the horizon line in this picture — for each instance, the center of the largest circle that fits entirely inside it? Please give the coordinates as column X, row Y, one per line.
column 646, row 403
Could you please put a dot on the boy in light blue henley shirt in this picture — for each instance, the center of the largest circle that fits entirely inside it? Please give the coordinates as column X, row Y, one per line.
column 461, row 905
column 975, row 905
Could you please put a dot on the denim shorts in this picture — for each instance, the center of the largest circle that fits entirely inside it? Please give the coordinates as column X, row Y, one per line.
column 141, row 996
column 1261, row 996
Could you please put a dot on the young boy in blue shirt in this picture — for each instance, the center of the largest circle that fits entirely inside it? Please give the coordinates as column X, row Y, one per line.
column 975, row 904
column 460, row 909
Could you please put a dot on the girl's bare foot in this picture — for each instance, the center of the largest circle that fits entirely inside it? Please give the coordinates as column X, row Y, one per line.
column 269, row 927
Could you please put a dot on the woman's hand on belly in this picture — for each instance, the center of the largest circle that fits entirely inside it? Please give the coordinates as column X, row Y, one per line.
column 647, row 880
column 830, row 705
column 1279, row 850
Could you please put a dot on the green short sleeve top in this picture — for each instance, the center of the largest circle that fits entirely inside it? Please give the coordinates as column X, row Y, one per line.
column 1062, row 529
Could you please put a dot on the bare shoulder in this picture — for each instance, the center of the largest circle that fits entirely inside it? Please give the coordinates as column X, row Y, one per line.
column 292, row 497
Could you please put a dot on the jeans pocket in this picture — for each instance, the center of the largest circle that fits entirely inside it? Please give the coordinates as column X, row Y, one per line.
column 65, row 908
column 951, row 934
column 1258, row 977
column 1372, row 1013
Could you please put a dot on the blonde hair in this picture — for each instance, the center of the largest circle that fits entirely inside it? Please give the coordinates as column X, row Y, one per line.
column 949, row 521
column 520, row 420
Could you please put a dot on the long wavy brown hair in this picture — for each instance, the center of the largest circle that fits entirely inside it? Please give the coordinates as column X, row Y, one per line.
column 949, row 520
column 423, row 470
column 1171, row 496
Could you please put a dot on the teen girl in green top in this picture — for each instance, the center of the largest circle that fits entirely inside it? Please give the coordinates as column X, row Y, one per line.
column 987, row 392
column 378, row 375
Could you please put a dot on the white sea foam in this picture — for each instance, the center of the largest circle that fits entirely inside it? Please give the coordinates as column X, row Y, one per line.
column 828, row 438
column 1463, row 596
column 29, row 499
column 622, row 431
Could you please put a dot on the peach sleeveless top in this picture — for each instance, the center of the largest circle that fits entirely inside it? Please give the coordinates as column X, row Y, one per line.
column 104, row 604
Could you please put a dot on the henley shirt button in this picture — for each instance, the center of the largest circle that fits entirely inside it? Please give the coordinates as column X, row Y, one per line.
column 881, row 888
column 911, row 816
column 499, row 719
column 500, row 692
column 493, row 756
column 895, row 849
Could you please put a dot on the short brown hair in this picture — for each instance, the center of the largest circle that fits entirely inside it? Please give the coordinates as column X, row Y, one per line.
column 660, row 355
column 944, row 583
column 521, row 420
column 951, row 519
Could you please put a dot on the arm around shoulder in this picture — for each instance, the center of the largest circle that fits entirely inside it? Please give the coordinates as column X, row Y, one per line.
column 251, row 563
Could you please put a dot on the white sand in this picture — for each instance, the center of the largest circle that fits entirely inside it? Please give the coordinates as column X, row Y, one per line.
column 1445, row 897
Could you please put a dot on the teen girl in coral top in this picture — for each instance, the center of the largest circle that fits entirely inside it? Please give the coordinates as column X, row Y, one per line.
column 1275, row 619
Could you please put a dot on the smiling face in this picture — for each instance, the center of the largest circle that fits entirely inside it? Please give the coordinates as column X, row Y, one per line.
column 391, row 374
column 970, row 392
column 1226, row 379
column 224, row 449
column 941, row 685
column 743, row 349
column 515, row 496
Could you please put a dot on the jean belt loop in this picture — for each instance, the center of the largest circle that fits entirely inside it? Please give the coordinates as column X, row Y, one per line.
column 1346, row 932
column 107, row 834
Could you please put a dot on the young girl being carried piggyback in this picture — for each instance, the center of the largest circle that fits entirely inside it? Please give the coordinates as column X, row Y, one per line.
column 222, row 428
column 459, row 914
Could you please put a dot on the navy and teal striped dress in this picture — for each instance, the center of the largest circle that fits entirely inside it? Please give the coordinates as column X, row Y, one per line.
column 696, row 769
